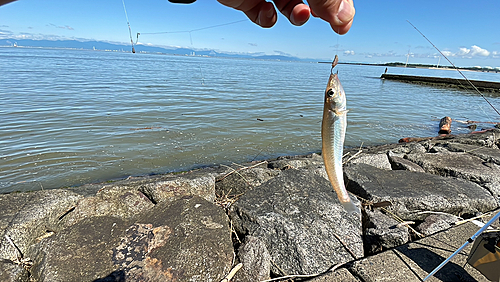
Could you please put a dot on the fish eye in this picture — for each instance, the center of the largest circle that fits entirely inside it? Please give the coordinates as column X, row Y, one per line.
column 329, row 93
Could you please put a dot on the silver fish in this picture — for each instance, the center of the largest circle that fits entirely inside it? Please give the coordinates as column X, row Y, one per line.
column 333, row 130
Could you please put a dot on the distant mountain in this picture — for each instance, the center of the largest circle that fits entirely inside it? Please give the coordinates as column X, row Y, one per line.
column 100, row 45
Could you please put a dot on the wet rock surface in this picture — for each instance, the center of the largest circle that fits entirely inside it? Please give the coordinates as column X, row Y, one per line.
column 277, row 217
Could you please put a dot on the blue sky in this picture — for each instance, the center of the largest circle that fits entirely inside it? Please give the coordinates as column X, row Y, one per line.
column 466, row 31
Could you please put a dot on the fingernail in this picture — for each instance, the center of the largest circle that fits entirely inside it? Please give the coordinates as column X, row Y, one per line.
column 345, row 13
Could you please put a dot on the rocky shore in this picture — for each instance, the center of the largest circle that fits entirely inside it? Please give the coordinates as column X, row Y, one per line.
column 278, row 217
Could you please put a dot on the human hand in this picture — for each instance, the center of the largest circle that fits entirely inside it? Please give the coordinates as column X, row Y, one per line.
column 338, row 13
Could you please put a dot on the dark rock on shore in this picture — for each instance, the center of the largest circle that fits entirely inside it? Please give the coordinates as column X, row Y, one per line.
column 437, row 222
column 195, row 245
column 398, row 163
column 299, row 219
column 382, row 232
column 26, row 216
column 413, row 192
column 461, row 165
column 277, row 217
column 256, row 260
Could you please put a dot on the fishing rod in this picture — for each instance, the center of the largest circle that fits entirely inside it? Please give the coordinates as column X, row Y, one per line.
column 129, row 29
column 470, row 83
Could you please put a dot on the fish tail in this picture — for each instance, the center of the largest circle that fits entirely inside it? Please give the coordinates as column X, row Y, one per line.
column 350, row 207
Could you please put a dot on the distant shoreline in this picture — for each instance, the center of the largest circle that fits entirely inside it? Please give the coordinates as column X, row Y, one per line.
column 420, row 66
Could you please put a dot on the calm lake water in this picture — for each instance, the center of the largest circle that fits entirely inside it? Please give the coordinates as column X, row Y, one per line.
column 74, row 117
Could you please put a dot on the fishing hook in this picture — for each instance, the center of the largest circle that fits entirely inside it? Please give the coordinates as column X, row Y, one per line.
column 334, row 63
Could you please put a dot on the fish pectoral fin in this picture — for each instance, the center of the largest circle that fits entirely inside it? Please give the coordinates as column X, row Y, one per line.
column 340, row 112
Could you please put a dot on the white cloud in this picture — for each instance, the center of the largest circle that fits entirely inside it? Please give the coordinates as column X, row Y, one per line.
column 474, row 51
column 348, row 52
column 448, row 53
column 463, row 51
column 478, row 51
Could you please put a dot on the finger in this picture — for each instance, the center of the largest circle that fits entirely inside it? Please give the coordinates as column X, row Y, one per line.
column 295, row 10
column 339, row 13
column 258, row 11
column 341, row 29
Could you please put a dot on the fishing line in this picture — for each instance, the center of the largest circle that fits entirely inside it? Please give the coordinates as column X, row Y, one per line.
column 189, row 31
column 470, row 83
column 129, row 29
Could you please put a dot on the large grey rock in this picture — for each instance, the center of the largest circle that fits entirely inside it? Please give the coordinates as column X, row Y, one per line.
column 158, row 188
column 398, row 163
column 409, row 148
column 489, row 138
column 377, row 160
column 461, row 165
column 187, row 239
column 297, row 216
column 296, row 162
column 436, row 222
column 26, row 216
column 256, row 260
column 82, row 252
column 382, row 233
column 110, row 200
column 485, row 153
column 412, row 192
column 197, row 183
column 199, row 247
column 239, row 182
column 12, row 272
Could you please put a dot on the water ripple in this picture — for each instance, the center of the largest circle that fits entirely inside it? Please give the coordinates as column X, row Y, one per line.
column 73, row 117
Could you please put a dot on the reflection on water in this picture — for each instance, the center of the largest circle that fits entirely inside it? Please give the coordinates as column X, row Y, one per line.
column 72, row 117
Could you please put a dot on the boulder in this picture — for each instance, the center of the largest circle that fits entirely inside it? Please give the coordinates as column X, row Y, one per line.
column 461, row 165
column 199, row 247
column 398, row 163
column 377, row 160
column 239, row 182
column 111, row 200
column 489, row 138
column 27, row 216
column 487, row 154
column 12, row 272
column 256, row 260
column 381, row 232
column 412, row 192
column 436, row 222
column 409, row 148
column 413, row 261
column 197, row 183
column 82, row 252
column 296, row 162
column 299, row 219
column 186, row 239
